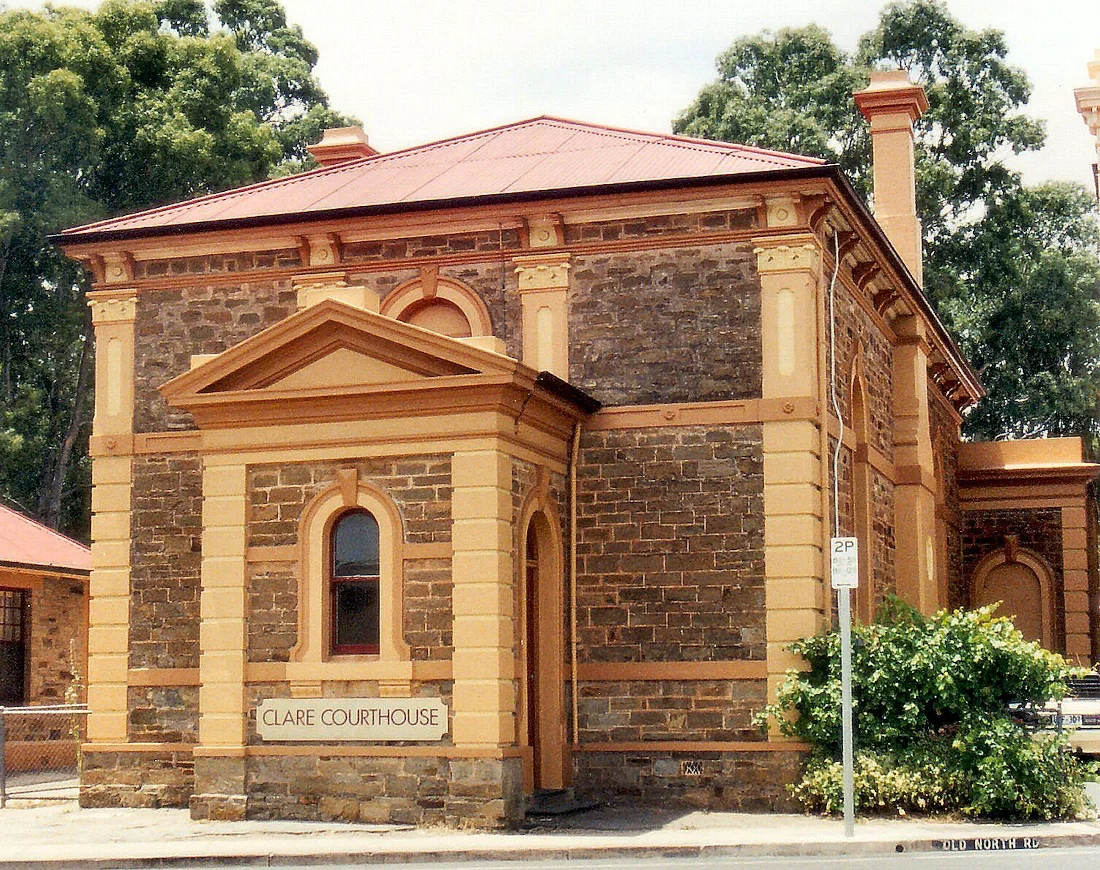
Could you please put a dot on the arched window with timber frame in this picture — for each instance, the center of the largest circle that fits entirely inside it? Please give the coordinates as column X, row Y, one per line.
column 354, row 584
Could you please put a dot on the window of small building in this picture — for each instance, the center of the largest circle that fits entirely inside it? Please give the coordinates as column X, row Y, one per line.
column 355, row 584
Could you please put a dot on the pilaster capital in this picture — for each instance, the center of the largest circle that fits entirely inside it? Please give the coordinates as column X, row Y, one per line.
column 546, row 272
column 799, row 253
column 117, row 306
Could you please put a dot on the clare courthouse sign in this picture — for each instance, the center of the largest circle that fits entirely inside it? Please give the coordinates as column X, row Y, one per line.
column 347, row 719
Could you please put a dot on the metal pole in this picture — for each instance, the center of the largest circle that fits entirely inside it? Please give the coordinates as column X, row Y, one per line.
column 845, row 613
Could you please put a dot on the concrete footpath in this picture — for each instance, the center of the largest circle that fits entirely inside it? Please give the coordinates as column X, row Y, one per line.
column 60, row 834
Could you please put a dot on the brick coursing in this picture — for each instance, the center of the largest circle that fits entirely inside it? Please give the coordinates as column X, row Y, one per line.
column 855, row 330
column 165, row 558
column 670, row 544
column 693, row 330
column 428, row 617
column 417, row 247
column 173, row 324
column 57, row 624
column 945, row 458
column 485, row 793
column 163, row 714
column 641, row 710
column 661, row 225
column 728, row 780
column 883, row 512
column 149, row 780
column 882, row 507
column 217, row 264
column 272, row 611
column 420, row 486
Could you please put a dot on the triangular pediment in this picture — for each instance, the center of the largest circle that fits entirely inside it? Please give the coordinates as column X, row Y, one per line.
column 331, row 348
column 344, row 367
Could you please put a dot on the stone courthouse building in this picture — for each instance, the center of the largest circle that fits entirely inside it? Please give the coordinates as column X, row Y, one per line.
column 428, row 480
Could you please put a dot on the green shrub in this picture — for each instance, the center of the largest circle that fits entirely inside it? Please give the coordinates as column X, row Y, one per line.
column 933, row 731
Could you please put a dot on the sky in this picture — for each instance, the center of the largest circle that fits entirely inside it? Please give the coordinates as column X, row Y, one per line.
column 414, row 71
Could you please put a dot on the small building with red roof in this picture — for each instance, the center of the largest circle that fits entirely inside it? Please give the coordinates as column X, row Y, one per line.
column 43, row 612
column 426, row 483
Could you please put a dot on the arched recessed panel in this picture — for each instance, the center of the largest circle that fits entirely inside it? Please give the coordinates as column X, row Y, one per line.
column 438, row 315
column 439, row 308
column 1017, row 587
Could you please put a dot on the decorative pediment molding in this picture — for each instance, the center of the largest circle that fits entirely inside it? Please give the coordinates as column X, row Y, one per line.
column 333, row 361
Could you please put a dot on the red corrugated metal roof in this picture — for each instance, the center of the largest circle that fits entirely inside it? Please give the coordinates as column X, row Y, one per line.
column 541, row 154
column 27, row 543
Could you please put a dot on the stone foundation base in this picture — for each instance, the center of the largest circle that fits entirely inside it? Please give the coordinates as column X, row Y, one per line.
column 480, row 793
column 136, row 779
column 706, row 780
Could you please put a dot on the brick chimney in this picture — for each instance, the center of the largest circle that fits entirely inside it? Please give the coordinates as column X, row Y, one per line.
column 892, row 103
column 341, row 144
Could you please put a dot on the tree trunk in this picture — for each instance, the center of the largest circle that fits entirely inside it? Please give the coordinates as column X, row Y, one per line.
column 53, row 479
column 5, row 333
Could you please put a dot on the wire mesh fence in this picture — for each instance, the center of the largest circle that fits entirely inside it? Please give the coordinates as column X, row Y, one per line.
column 40, row 751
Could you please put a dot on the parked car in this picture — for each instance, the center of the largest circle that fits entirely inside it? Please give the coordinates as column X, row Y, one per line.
column 1078, row 714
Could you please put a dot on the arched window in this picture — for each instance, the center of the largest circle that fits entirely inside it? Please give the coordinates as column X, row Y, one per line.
column 354, row 584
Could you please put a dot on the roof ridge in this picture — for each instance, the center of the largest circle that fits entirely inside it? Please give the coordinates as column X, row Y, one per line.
column 432, row 157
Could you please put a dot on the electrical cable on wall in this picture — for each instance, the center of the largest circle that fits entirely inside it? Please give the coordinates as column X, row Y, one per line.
column 832, row 386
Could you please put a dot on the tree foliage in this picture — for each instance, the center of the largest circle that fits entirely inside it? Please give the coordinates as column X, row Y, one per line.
column 1000, row 288
column 933, row 731
column 134, row 104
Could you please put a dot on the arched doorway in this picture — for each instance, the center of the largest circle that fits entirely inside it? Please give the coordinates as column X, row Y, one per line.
column 544, row 651
column 1022, row 586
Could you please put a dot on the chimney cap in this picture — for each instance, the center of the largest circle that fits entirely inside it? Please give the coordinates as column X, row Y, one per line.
column 341, row 144
column 891, row 92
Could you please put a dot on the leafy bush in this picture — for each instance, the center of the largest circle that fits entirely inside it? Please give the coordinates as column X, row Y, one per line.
column 933, row 731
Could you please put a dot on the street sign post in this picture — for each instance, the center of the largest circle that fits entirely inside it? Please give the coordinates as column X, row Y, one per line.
column 845, row 578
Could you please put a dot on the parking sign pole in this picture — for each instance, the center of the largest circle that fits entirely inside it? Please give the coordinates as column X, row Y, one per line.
column 844, row 612
column 844, row 567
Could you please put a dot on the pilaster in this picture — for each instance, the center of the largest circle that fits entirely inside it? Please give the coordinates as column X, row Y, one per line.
column 113, row 316
column 544, row 294
column 1075, row 576
column 790, row 269
column 484, row 666
column 223, row 702
column 915, row 495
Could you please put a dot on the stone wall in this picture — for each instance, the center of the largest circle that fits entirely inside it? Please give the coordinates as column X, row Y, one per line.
column 670, row 544
column 725, row 780
column 857, row 334
column 945, row 456
column 203, row 318
column 420, row 486
column 423, row 790
column 428, row 619
column 166, row 560
column 631, row 711
column 656, row 226
column 693, row 330
column 58, row 648
column 136, row 779
column 163, row 714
